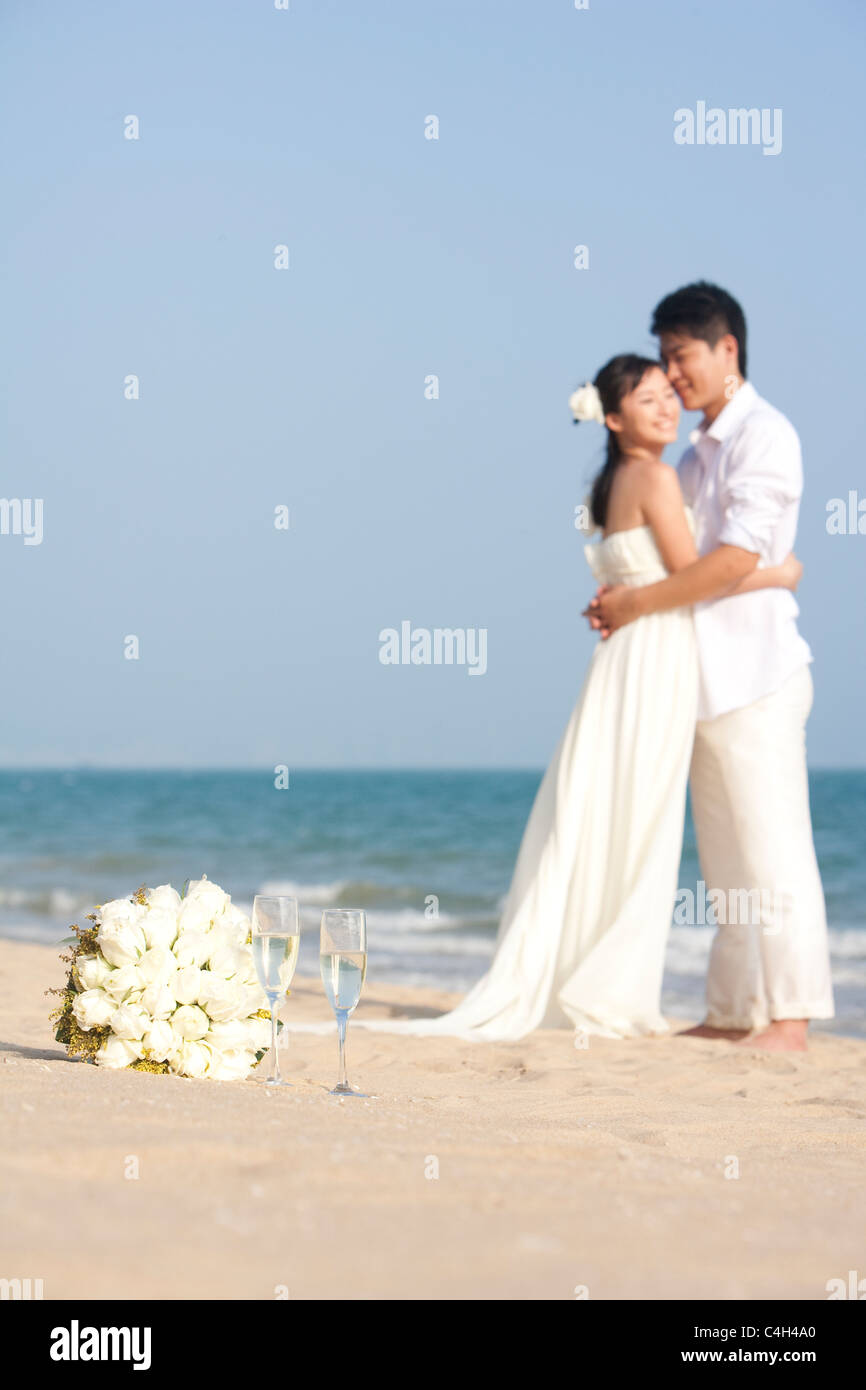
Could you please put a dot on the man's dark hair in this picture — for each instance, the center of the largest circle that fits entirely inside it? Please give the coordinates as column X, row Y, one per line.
column 702, row 311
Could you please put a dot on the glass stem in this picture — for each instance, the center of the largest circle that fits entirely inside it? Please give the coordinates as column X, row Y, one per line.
column 275, row 1075
column 342, row 1020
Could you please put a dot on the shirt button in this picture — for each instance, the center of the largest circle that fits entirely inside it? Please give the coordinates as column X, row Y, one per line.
column 695, row 437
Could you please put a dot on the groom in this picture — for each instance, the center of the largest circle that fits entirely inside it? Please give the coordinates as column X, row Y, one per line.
column 769, row 974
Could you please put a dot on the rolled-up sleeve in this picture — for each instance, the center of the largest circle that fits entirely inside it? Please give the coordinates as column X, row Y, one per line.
column 763, row 477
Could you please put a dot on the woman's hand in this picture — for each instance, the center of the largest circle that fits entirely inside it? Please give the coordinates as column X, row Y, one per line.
column 784, row 576
column 790, row 572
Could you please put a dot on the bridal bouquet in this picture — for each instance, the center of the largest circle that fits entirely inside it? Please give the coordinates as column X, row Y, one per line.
column 162, row 983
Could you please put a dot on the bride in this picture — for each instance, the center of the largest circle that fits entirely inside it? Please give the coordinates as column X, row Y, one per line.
column 581, row 942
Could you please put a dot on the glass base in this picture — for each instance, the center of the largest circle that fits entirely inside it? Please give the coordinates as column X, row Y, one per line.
column 275, row 1081
column 348, row 1091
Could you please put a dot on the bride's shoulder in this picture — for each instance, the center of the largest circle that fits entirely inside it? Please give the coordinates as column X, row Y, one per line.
column 661, row 496
column 666, row 471
column 657, row 478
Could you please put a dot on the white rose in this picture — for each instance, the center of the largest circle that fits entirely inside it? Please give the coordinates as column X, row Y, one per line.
column 223, row 999
column 164, row 899
column 160, row 1042
column 193, row 917
column 586, row 404
column 120, row 936
column 91, row 972
column 235, row 924
column 233, row 1065
column 260, row 1033
column 118, row 1052
column 92, row 1009
column 160, row 927
column 190, row 1022
column 254, row 998
column 129, row 1022
column 120, row 910
column 192, row 948
column 192, row 1059
column 201, row 890
column 122, row 982
column 227, row 960
column 235, row 1033
column 188, row 983
column 230, row 956
column 158, row 1000
column 247, row 970
column 157, row 965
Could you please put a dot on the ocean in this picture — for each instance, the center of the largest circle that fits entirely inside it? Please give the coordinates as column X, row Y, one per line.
column 428, row 854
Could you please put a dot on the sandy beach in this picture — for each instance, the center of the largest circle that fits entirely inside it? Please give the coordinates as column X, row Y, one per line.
column 529, row 1170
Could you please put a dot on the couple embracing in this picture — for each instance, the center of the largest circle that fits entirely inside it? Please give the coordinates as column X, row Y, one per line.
column 700, row 676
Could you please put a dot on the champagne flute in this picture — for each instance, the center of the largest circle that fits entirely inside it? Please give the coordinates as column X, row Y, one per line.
column 276, row 938
column 343, row 962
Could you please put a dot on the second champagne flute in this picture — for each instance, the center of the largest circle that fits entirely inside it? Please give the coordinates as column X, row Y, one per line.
column 343, row 961
column 276, row 937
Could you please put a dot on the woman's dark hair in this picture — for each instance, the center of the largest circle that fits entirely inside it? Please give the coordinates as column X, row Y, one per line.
column 702, row 311
column 617, row 378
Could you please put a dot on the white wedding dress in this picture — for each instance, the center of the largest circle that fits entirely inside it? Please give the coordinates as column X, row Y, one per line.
column 581, row 942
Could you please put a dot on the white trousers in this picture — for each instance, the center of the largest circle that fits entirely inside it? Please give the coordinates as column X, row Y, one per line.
column 750, row 801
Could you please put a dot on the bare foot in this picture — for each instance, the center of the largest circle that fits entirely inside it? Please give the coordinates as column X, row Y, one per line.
column 782, row 1035
column 706, row 1030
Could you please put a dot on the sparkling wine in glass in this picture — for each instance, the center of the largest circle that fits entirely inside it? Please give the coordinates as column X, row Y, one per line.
column 276, row 938
column 343, row 962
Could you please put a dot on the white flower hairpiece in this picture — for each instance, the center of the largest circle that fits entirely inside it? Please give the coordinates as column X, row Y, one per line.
column 586, row 404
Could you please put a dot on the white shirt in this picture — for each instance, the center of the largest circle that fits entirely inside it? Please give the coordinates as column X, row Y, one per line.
column 743, row 478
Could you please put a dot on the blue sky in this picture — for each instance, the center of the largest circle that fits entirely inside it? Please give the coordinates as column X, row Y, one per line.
column 305, row 387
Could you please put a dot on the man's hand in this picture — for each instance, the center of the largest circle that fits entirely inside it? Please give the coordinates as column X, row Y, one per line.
column 613, row 606
column 591, row 612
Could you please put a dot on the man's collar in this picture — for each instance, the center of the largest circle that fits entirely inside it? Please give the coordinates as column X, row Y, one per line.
column 728, row 418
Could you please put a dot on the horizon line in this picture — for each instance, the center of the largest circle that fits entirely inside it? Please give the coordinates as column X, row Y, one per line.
column 323, row 767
